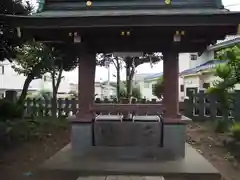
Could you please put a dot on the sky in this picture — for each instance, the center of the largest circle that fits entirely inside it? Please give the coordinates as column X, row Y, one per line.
column 102, row 73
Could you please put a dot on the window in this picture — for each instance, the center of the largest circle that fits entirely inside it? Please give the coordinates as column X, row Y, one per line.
column 182, row 88
column 153, row 86
column 46, row 78
column 1, row 69
column 146, row 85
column 206, row 85
column 193, row 57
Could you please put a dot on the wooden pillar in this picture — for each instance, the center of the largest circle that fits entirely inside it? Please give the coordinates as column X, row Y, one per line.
column 171, row 85
column 86, row 87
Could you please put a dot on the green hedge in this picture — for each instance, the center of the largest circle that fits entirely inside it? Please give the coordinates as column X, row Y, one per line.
column 15, row 129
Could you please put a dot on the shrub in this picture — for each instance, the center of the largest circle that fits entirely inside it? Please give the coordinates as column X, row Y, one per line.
column 221, row 126
column 9, row 110
column 235, row 131
column 14, row 133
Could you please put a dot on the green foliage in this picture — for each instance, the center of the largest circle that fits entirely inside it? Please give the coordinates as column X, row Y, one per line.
column 42, row 94
column 16, row 132
column 9, row 38
column 158, row 88
column 228, row 75
column 136, row 92
column 73, row 94
column 235, row 131
column 31, row 60
column 9, row 110
column 221, row 125
column 233, row 56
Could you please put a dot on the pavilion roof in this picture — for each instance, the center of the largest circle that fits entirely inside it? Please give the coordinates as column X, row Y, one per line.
column 104, row 13
column 142, row 12
column 73, row 8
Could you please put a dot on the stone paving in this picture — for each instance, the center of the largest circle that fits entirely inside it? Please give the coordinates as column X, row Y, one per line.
column 121, row 178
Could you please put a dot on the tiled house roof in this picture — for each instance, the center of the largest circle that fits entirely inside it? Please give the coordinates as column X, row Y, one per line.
column 152, row 77
column 205, row 66
column 227, row 42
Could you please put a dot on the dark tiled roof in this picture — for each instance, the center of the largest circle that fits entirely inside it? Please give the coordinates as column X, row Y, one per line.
column 154, row 76
column 208, row 65
column 144, row 12
column 228, row 42
column 73, row 8
column 128, row 4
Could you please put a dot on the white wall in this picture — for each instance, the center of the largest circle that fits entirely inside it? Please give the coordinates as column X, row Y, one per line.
column 190, row 82
column 206, row 56
column 194, row 81
column 146, row 89
column 11, row 80
column 183, row 61
column 101, row 90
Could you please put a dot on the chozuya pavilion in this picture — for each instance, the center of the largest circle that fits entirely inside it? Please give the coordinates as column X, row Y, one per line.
column 151, row 142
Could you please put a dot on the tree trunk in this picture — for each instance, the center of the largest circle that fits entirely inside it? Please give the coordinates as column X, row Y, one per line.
column 118, row 81
column 55, row 86
column 129, row 77
column 130, row 83
column 23, row 95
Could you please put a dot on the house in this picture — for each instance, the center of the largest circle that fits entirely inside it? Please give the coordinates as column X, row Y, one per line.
column 200, row 75
column 195, row 71
column 102, row 90
column 147, row 83
column 10, row 80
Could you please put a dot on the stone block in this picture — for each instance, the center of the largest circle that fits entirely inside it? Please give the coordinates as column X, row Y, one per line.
column 128, row 134
column 81, row 137
column 174, row 136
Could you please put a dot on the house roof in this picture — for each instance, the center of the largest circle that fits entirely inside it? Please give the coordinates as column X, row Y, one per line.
column 152, row 77
column 141, row 76
column 205, row 66
column 228, row 41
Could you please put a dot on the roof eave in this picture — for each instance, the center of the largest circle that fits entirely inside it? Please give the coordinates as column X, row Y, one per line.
column 224, row 44
column 37, row 21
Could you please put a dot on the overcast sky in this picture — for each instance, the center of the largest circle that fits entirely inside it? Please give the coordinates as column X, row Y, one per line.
column 102, row 73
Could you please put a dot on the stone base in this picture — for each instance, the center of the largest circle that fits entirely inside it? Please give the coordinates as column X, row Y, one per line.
column 193, row 166
column 81, row 137
column 174, row 136
column 129, row 136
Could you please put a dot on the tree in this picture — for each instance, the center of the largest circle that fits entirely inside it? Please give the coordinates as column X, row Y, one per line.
column 229, row 76
column 34, row 59
column 9, row 37
column 59, row 60
column 133, row 62
column 31, row 62
column 158, row 88
column 106, row 60
column 136, row 92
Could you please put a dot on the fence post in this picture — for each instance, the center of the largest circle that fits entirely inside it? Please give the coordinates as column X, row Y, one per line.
column 188, row 106
column 47, row 106
column 201, row 105
column 11, row 96
column 74, row 106
column 66, row 107
column 236, row 105
column 59, row 107
column 213, row 107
